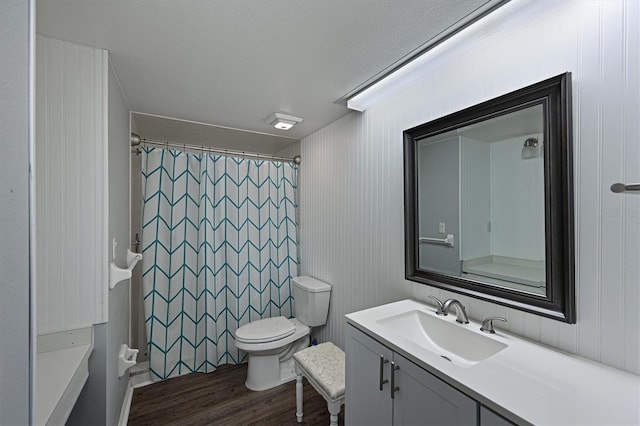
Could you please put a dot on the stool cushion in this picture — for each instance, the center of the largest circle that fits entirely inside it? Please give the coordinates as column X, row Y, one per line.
column 324, row 363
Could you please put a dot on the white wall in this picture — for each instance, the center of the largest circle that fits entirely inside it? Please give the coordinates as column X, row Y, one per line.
column 475, row 198
column 119, row 216
column 71, row 240
column 439, row 179
column 101, row 399
column 290, row 151
column 91, row 407
column 15, row 350
column 352, row 194
column 517, row 201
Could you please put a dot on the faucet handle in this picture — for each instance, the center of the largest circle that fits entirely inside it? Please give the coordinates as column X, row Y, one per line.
column 440, row 305
column 487, row 324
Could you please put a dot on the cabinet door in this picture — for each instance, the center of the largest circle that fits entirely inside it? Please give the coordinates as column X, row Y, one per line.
column 365, row 403
column 423, row 399
column 489, row 418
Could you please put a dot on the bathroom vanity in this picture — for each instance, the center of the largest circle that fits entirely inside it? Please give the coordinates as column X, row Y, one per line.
column 406, row 365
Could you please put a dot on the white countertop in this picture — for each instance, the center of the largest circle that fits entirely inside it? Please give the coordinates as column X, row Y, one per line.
column 60, row 376
column 524, row 382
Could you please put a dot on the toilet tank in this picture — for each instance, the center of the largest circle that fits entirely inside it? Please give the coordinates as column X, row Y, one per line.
column 311, row 299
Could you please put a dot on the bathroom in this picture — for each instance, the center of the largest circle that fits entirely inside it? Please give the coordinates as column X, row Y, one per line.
column 350, row 192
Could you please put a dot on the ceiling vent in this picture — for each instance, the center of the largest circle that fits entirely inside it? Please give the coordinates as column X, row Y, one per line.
column 283, row 121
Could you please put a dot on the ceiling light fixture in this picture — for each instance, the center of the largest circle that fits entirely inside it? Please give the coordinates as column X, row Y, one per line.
column 282, row 121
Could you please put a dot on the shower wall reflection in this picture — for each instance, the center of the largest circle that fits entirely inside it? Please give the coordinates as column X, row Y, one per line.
column 484, row 184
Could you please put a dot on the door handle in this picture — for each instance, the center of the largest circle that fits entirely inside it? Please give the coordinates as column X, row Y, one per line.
column 394, row 388
column 383, row 381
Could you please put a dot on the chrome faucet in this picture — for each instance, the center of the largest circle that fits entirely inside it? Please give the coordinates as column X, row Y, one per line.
column 487, row 324
column 440, row 305
column 461, row 313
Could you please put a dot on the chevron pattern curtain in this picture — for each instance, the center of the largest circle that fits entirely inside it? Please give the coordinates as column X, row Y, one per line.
column 219, row 250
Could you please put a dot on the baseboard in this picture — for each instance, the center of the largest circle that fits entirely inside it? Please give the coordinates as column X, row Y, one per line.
column 126, row 405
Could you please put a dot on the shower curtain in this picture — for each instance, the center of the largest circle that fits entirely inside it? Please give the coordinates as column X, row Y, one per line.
column 219, row 250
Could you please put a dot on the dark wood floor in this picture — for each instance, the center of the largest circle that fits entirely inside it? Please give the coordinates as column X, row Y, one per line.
column 221, row 398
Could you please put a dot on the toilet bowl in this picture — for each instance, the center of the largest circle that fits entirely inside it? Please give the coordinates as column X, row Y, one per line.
column 271, row 357
column 271, row 342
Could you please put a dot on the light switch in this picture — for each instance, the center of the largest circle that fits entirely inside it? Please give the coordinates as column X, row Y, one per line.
column 442, row 228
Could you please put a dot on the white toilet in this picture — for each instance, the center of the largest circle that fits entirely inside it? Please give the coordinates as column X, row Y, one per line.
column 271, row 342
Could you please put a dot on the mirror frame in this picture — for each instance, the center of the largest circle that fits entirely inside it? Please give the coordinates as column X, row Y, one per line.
column 559, row 301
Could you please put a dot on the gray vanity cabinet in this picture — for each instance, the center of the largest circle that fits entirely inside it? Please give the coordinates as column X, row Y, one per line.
column 419, row 398
column 489, row 418
column 423, row 399
column 367, row 365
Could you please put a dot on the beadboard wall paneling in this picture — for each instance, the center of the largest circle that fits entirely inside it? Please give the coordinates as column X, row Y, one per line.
column 71, row 197
column 352, row 193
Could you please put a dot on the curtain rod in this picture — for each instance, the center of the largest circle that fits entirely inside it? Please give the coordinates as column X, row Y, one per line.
column 297, row 159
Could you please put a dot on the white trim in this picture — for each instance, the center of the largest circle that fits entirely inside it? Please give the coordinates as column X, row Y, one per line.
column 33, row 320
column 106, row 254
column 64, row 339
column 129, row 236
column 128, row 396
column 126, row 405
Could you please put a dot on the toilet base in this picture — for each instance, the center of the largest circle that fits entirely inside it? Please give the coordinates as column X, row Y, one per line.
column 268, row 371
column 265, row 378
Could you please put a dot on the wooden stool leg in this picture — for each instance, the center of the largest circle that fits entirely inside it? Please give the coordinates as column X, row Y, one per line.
column 299, row 398
column 334, row 410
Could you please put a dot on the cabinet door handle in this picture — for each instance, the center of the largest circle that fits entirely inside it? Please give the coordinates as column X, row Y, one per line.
column 383, row 361
column 394, row 388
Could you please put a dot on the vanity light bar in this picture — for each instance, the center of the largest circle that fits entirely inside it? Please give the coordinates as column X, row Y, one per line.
column 361, row 97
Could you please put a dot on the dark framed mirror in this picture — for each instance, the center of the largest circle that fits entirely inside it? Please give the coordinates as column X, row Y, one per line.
column 489, row 201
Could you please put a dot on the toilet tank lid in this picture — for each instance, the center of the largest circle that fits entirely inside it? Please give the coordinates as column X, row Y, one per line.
column 311, row 284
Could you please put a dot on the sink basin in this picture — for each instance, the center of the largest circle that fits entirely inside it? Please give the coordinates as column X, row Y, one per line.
column 450, row 340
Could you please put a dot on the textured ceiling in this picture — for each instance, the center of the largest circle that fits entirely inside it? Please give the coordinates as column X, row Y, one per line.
column 235, row 62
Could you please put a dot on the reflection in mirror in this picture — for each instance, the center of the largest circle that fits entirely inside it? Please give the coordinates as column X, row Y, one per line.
column 488, row 181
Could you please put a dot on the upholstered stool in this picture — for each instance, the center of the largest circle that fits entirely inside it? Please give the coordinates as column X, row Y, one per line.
column 323, row 366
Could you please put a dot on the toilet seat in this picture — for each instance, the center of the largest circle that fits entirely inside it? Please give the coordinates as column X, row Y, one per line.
column 265, row 330
column 301, row 330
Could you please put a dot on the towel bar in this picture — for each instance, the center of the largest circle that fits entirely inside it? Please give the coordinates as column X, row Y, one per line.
column 621, row 187
column 449, row 241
